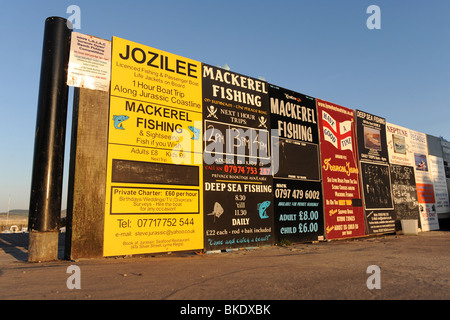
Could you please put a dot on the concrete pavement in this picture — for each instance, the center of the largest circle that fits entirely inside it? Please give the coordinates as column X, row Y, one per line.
column 410, row 267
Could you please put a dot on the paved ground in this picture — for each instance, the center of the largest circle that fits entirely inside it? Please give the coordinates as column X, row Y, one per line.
column 411, row 267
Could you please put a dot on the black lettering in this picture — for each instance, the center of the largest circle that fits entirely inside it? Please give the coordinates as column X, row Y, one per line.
column 157, row 111
column 140, row 121
column 127, row 53
column 140, row 108
column 140, row 56
column 129, row 107
column 133, row 55
column 179, row 67
column 192, row 70
column 155, row 55
column 167, row 65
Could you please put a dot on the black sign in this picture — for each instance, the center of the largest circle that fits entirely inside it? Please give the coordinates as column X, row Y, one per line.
column 375, row 174
column 297, row 172
column 298, row 210
column 376, row 186
column 404, row 191
column 371, row 133
column 238, row 199
column 128, row 171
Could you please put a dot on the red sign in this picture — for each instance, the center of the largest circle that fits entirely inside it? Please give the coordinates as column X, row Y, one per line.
column 343, row 210
column 425, row 193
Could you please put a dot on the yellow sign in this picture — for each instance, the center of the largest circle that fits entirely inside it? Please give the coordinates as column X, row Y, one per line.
column 151, row 200
column 154, row 190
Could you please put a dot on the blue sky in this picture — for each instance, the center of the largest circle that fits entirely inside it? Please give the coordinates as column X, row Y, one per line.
column 321, row 48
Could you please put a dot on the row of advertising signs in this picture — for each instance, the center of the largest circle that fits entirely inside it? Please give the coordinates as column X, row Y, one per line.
column 203, row 158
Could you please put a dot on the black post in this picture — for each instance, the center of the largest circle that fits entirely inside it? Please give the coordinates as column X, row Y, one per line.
column 48, row 162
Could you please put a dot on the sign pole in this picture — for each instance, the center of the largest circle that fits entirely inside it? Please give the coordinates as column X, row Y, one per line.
column 48, row 161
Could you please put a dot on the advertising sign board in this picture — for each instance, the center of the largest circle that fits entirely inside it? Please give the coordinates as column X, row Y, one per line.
column 375, row 173
column 154, row 171
column 424, row 183
column 297, row 183
column 237, row 160
column 343, row 211
column 89, row 62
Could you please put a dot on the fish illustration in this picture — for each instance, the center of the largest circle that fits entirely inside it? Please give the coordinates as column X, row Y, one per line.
column 195, row 131
column 217, row 212
column 262, row 207
column 118, row 121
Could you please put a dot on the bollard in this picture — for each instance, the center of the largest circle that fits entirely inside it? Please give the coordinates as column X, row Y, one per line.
column 48, row 160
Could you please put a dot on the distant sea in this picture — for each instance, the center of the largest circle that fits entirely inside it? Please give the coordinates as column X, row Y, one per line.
column 23, row 213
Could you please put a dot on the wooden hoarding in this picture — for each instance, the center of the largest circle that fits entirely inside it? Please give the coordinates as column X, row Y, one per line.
column 424, row 182
column 403, row 181
column 375, row 173
column 237, row 161
column 298, row 200
column 154, row 170
column 343, row 211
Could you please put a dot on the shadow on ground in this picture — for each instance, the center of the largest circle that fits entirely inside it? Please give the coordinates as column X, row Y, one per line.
column 16, row 245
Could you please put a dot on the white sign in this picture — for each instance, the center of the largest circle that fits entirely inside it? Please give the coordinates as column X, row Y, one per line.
column 399, row 145
column 424, row 182
column 439, row 184
column 89, row 62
